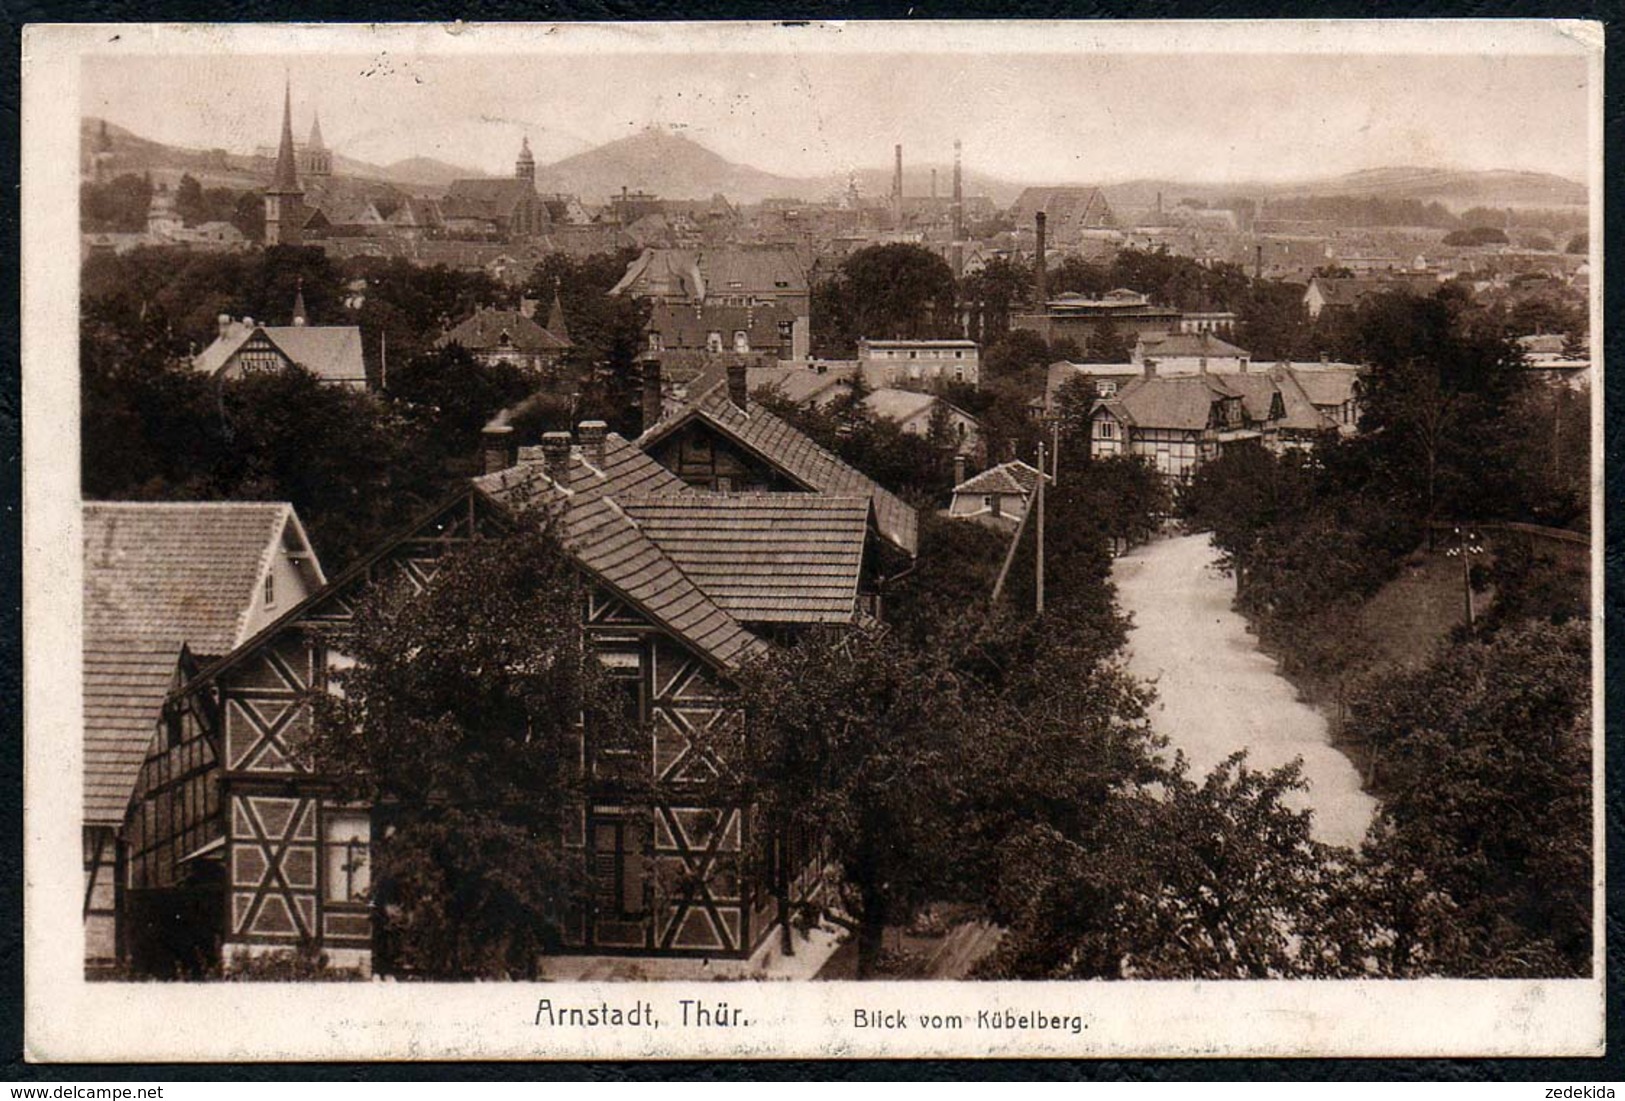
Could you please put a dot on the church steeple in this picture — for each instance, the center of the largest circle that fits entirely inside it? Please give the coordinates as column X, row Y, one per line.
column 284, row 205
column 285, row 180
column 299, row 315
column 525, row 167
column 318, row 160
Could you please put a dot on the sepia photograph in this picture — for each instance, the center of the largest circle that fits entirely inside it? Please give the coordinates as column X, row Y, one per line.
column 824, row 539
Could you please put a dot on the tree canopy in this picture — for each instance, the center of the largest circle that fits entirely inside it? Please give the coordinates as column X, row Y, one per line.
column 458, row 724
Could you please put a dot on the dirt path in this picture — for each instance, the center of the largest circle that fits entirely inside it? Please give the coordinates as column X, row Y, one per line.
column 1216, row 692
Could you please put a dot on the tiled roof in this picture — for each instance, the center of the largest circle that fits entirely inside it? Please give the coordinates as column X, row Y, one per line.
column 1184, row 401
column 799, row 457
column 800, row 384
column 681, row 325
column 1326, row 385
column 764, row 557
column 1012, row 477
column 158, row 576
column 597, row 531
column 1189, row 344
column 483, row 331
column 331, row 352
column 1300, row 411
column 687, row 273
column 493, row 199
column 901, row 406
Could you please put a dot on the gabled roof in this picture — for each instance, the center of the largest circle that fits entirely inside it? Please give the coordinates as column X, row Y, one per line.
column 901, row 406
column 764, row 557
column 600, row 535
column 1011, row 477
column 799, row 385
column 1300, row 411
column 1181, row 401
column 331, row 352
column 484, row 329
column 159, row 576
column 686, row 273
column 1327, row 384
column 798, row 457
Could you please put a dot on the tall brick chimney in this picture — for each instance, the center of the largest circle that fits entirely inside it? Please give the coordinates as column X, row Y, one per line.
column 959, row 469
column 556, row 454
column 496, row 447
column 591, row 434
column 738, row 384
column 1040, row 264
column 651, row 392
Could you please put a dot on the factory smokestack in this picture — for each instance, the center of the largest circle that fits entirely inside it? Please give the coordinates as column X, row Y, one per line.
column 897, row 183
column 933, row 183
column 1040, row 265
column 958, row 215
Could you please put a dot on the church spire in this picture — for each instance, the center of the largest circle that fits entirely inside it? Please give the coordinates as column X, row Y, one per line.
column 315, row 142
column 555, row 316
column 299, row 316
column 285, row 180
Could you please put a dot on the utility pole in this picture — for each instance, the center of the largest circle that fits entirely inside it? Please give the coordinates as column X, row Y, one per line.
column 1038, row 501
column 1466, row 548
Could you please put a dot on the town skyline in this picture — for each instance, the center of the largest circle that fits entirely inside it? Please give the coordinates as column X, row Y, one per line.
column 1037, row 119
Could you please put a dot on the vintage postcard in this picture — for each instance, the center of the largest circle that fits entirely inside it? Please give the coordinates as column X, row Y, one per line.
column 813, row 540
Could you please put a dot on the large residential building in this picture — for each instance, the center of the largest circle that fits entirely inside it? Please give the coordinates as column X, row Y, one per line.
column 166, row 586
column 914, row 364
column 737, row 277
column 331, row 352
column 1184, row 353
column 1182, row 422
column 237, row 847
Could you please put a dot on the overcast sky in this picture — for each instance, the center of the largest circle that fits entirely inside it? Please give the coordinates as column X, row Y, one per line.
column 1085, row 116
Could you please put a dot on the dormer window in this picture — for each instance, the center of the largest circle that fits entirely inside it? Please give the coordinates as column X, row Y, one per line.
column 505, row 340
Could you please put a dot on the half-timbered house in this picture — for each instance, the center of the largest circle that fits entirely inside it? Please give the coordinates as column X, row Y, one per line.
column 685, row 586
column 164, row 584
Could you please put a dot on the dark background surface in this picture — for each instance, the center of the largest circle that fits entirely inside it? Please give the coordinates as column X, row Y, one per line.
column 1559, row 1072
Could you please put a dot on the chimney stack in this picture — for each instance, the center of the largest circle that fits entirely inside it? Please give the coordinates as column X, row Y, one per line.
column 1150, row 367
column 1258, row 262
column 592, row 435
column 959, row 470
column 933, row 184
column 556, row 454
column 897, row 186
column 527, row 307
column 651, row 393
column 496, row 447
column 738, row 384
column 958, row 215
column 223, row 325
column 1040, row 265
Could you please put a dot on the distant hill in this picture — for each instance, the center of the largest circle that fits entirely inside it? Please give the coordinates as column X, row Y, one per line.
column 247, row 171
column 1457, row 189
column 665, row 164
column 423, row 172
column 673, row 166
